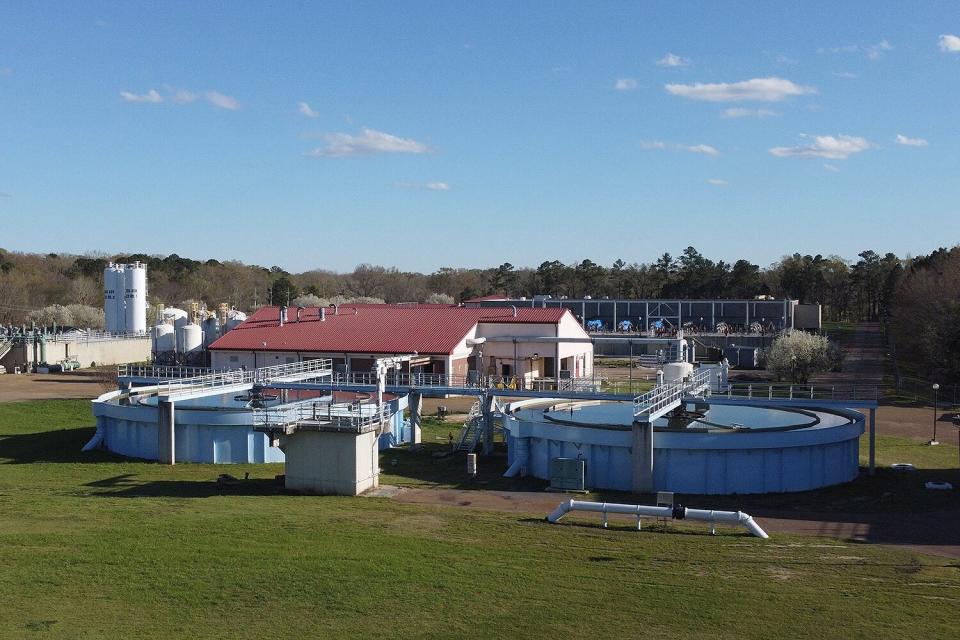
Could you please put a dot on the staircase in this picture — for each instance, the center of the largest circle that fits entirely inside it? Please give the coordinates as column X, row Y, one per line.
column 472, row 430
column 5, row 346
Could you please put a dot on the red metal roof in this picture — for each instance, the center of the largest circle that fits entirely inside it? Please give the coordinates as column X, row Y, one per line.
column 375, row 328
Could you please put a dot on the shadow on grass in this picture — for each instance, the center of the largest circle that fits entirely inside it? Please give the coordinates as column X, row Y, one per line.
column 62, row 445
column 423, row 469
column 127, row 486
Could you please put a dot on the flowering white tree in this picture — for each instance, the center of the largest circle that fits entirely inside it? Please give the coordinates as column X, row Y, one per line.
column 797, row 355
column 80, row 316
column 310, row 300
column 439, row 298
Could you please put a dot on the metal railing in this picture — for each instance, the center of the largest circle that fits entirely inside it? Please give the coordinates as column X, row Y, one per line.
column 664, row 397
column 294, row 371
column 162, row 372
column 78, row 335
column 833, row 392
column 342, row 415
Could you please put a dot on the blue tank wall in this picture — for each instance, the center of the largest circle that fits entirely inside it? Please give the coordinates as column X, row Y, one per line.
column 700, row 463
column 205, row 436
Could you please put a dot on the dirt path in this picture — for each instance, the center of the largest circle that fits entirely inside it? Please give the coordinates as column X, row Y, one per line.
column 935, row 533
column 25, row 387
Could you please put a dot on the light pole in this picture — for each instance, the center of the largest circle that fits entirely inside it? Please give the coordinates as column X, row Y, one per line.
column 936, row 396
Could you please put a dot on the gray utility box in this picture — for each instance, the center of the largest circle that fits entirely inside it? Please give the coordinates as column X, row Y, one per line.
column 568, row 474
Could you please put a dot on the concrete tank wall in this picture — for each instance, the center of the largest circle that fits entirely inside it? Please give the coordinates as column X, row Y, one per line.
column 699, row 463
column 220, row 436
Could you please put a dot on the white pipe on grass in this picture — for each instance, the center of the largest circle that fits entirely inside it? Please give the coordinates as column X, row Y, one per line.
column 649, row 511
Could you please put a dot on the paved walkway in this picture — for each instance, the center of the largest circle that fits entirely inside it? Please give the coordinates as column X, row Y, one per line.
column 863, row 357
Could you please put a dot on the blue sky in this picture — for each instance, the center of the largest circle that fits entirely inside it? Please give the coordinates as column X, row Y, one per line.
column 422, row 134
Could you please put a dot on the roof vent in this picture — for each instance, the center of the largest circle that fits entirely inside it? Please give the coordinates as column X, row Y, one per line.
column 323, row 314
column 514, row 310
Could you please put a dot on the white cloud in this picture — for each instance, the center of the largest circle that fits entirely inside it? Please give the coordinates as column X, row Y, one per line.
column 429, row 186
column 782, row 59
column 740, row 112
column 876, row 51
column 660, row 145
column 182, row 96
column 911, row 142
column 702, row 148
column 872, row 51
column 831, row 167
column 718, row 182
column 151, row 96
column 673, row 60
column 757, row 89
column 369, row 142
column 949, row 43
column 304, row 109
column 846, row 75
column 833, row 148
column 222, row 101
column 625, row 84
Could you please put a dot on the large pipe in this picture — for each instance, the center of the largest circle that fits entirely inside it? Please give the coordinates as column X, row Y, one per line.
column 641, row 510
column 521, row 456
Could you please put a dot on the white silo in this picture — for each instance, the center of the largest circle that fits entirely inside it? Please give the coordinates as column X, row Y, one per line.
column 178, row 318
column 135, row 297
column 192, row 339
column 234, row 319
column 113, row 298
column 163, row 338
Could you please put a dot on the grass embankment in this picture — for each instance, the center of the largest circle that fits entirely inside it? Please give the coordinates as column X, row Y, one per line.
column 94, row 546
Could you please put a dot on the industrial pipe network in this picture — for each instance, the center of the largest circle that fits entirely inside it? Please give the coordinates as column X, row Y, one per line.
column 677, row 512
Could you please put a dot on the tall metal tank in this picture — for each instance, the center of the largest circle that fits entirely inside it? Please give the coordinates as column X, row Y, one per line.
column 234, row 319
column 163, row 338
column 676, row 371
column 135, row 297
column 113, row 283
column 178, row 318
column 192, row 339
column 211, row 330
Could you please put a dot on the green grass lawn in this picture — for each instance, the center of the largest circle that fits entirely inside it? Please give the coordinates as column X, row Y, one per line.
column 94, row 546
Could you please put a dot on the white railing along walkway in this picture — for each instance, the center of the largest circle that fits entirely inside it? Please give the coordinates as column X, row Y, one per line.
column 833, row 392
column 663, row 398
column 343, row 415
column 161, row 371
column 295, row 371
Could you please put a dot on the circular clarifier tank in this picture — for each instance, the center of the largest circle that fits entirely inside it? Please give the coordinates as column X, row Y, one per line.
column 216, row 428
column 701, row 448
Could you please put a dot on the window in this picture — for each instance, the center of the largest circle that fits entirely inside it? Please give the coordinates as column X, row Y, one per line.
column 234, row 358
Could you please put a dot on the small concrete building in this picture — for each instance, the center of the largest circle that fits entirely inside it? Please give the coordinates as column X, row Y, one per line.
column 522, row 343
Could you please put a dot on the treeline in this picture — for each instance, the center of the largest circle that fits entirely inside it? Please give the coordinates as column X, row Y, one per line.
column 849, row 290
column 925, row 318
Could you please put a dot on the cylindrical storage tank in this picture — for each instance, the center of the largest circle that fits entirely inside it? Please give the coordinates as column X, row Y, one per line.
column 113, row 298
column 676, row 371
column 234, row 319
column 135, row 297
column 163, row 338
column 211, row 330
column 192, row 339
column 178, row 318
